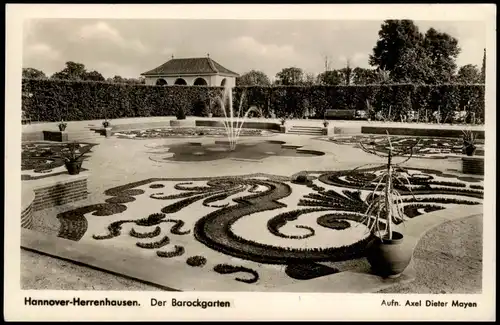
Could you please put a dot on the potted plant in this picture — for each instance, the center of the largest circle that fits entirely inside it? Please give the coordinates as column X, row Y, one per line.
column 181, row 115
column 283, row 126
column 106, row 124
column 107, row 128
column 469, row 142
column 325, row 127
column 62, row 126
column 73, row 156
column 388, row 253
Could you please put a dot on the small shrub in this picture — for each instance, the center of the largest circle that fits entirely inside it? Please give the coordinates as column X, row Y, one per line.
column 178, row 251
column 228, row 269
column 158, row 244
column 196, row 261
column 149, row 234
column 301, row 179
column 181, row 115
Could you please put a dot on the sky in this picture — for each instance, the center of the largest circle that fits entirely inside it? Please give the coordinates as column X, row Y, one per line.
column 128, row 47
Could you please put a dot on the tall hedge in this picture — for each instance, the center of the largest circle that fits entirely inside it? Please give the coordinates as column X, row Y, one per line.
column 53, row 100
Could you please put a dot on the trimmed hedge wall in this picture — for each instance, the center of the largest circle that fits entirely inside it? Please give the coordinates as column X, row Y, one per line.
column 53, row 100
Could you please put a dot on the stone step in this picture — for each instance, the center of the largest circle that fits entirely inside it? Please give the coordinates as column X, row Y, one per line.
column 305, row 132
column 300, row 128
column 303, row 127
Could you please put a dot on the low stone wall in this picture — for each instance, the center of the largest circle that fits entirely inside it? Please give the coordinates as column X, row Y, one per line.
column 61, row 191
column 183, row 123
column 246, row 124
column 434, row 132
column 140, row 126
column 27, row 198
column 32, row 136
column 473, row 165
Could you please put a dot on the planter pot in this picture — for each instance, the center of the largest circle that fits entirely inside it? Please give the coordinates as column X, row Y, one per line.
column 473, row 165
column 58, row 136
column 107, row 132
column 389, row 258
column 210, row 115
column 62, row 128
column 73, row 167
column 283, row 128
column 470, row 150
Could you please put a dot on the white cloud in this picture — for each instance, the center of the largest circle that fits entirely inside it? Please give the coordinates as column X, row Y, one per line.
column 103, row 31
column 250, row 46
column 42, row 50
column 100, row 30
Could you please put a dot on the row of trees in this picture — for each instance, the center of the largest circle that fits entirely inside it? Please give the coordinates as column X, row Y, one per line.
column 77, row 72
column 402, row 54
column 467, row 74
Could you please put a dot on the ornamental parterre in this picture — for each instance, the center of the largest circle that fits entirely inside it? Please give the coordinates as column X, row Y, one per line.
column 183, row 132
column 433, row 148
column 246, row 218
column 41, row 158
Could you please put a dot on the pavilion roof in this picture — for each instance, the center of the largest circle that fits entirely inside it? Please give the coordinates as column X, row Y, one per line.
column 190, row 66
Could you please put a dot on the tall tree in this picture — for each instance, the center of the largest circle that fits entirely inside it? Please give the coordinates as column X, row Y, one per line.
column 383, row 76
column 483, row 68
column 117, row 79
column 309, row 79
column 32, row 73
column 93, row 76
column 443, row 50
column 468, row 74
column 346, row 74
column 414, row 66
column 72, row 71
column 253, row 78
column 362, row 76
column 290, row 76
column 395, row 38
column 331, row 78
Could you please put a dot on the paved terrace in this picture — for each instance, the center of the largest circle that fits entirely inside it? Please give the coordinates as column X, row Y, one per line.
column 84, row 125
column 119, row 161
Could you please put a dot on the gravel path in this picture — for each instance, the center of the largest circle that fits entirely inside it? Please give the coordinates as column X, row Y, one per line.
column 448, row 259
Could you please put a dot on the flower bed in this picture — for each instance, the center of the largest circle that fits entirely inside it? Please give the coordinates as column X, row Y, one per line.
column 436, row 148
column 43, row 159
column 250, row 223
column 185, row 132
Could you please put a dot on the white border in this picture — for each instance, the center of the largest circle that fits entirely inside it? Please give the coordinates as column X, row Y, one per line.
column 273, row 306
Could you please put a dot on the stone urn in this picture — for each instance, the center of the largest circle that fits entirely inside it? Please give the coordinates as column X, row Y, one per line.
column 389, row 257
column 73, row 167
column 107, row 132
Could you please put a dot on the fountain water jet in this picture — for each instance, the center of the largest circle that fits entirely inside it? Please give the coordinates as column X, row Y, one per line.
column 233, row 124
